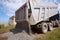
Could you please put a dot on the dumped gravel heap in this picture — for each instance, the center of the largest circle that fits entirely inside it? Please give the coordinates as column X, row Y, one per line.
column 18, row 36
column 21, row 32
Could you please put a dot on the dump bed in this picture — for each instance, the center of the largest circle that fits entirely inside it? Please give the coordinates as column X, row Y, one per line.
column 40, row 11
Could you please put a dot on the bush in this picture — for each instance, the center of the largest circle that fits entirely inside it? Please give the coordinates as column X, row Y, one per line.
column 4, row 28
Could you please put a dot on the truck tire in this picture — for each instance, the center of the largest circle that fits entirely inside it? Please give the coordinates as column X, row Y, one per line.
column 54, row 23
column 50, row 26
column 44, row 27
column 57, row 23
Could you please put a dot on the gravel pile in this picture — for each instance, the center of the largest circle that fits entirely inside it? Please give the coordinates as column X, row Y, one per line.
column 20, row 33
column 18, row 36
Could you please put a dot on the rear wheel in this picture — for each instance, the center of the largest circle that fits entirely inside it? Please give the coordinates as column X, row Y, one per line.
column 50, row 26
column 54, row 23
column 57, row 23
column 44, row 27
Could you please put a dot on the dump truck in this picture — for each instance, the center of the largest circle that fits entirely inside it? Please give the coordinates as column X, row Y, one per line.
column 36, row 15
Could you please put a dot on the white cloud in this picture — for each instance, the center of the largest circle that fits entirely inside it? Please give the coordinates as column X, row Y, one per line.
column 10, row 14
column 12, row 6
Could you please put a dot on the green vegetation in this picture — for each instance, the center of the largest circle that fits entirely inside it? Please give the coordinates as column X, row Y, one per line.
column 4, row 28
column 53, row 35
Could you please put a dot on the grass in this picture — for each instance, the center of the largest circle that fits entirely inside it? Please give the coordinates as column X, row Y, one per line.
column 4, row 29
column 4, row 38
column 53, row 35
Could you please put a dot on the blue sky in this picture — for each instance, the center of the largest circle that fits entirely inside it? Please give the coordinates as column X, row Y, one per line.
column 8, row 8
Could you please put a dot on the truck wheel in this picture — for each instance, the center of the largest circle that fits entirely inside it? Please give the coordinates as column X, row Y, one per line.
column 44, row 27
column 50, row 27
column 57, row 23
